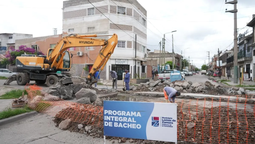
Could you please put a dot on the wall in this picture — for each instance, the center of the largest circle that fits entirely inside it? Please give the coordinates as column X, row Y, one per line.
column 42, row 42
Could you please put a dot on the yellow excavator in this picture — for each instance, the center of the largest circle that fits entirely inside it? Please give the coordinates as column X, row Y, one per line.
column 56, row 64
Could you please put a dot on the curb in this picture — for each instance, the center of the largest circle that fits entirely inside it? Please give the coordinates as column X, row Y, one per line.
column 17, row 117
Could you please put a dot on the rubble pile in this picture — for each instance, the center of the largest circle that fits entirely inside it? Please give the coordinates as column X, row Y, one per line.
column 189, row 87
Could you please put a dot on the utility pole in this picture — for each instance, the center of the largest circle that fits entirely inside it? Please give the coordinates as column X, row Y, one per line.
column 159, row 59
column 135, row 54
column 163, row 49
column 234, row 2
column 219, row 57
column 208, row 58
column 173, row 57
column 181, row 61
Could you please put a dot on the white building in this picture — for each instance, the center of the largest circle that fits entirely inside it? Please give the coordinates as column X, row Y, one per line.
column 124, row 17
column 8, row 39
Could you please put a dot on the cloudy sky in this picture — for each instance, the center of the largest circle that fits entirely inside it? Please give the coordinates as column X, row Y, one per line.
column 202, row 25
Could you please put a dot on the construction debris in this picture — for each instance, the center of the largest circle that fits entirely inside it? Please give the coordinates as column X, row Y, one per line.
column 20, row 102
column 188, row 86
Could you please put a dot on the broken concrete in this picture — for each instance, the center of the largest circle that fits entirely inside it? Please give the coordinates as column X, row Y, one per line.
column 64, row 125
column 84, row 94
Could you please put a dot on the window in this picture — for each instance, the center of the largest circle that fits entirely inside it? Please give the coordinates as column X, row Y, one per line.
column 91, row 11
column 71, row 30
column 35, row 47
column 121, row 44
column 91, row 29
column 143, row 21
column 10, row 37
column 121, row 10
column 143, row 69
column 52, row 46
column 143, row 48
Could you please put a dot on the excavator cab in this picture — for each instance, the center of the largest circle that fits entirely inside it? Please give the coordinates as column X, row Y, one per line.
column 63, row 59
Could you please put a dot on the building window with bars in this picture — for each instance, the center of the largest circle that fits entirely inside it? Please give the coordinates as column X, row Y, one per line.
column 91, row 29
column 121, row 44
column 71, row 30
column 91, row 11
column 121, row 10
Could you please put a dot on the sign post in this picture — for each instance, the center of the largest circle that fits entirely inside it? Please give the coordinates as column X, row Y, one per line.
column 141, row 120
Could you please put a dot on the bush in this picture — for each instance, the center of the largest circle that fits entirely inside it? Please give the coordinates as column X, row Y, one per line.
column 11, row 55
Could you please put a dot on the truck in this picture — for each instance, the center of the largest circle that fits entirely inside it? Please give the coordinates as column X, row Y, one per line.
column 203, row 72
column 57, row 63
column 174, row 74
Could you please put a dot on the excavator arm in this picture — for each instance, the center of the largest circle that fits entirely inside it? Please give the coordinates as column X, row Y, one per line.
column 56, row 55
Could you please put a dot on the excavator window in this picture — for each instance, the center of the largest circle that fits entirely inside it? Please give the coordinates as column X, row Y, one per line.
column 66, row 60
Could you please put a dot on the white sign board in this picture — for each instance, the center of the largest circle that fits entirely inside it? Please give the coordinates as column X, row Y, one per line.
column 141, row 120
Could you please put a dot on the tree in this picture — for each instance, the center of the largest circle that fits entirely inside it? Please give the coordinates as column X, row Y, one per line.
column 204, row 67
column 12, row 54
column 170, row 63
column 197, row 69
column 185, row 63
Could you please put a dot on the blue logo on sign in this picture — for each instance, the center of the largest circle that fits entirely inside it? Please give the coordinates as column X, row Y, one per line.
column 167, row 121
column 155, row 121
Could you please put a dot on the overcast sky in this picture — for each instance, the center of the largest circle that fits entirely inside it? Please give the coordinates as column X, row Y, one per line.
column 202, row 25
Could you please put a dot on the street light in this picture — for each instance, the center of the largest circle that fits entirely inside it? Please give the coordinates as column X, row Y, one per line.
column 184, row 55
column 163, row 47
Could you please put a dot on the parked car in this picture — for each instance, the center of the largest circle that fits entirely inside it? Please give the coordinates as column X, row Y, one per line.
column 216, row 74
column 6, row 73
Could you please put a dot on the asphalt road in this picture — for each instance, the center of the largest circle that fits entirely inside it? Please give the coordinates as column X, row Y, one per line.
column 197, row 78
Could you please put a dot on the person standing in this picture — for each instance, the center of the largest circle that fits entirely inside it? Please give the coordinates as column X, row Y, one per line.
column 170, row 94
column 114, row 79
column 127, row 79
column 152, row 72
column 97, row 77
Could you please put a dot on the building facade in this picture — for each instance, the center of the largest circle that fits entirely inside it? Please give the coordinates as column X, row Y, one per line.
column 8, row 40
column 125, row 18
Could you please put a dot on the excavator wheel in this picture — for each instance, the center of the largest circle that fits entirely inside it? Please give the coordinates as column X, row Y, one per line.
column 51, row 80
column 40, row 82
column 22, row 79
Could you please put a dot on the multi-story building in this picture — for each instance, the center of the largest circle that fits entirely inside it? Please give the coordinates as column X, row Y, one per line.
column 251, row 45
column 125, row 18
column 245, row 54
column 8, row 39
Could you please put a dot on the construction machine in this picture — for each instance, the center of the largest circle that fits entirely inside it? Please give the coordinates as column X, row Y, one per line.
column 57, row 63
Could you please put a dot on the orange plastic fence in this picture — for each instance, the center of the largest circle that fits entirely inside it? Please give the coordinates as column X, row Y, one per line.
column 199, row 121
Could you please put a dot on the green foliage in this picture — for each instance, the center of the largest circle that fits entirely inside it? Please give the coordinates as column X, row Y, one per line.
column 204, row 67
column 1, row 77
column 13, row 94
column 170, row 63
column 197, row 69
column 86, row 68
column 12, row 112
column 185, row 63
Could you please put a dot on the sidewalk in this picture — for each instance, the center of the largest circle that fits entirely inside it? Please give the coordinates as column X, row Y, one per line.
column 238, row 83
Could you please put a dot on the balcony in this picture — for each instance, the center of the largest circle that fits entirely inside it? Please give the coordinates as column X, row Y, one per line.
column 243, row 56
column 230, row 59
column 11, row 41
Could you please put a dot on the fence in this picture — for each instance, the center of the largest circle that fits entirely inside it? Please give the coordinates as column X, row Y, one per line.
column 196, row 122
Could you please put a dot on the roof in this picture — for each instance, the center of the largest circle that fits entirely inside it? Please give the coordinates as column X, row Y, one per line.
column 251, row 23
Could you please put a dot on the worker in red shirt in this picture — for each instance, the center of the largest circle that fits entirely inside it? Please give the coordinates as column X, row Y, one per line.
column 170, row 94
